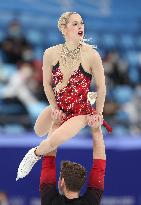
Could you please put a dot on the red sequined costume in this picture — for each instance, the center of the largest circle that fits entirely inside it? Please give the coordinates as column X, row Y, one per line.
column 72, row 99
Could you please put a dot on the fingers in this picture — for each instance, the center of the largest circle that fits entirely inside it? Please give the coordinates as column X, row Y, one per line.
column 95, row 120
column 63, row 116
column 54, row 114
column 58, row 115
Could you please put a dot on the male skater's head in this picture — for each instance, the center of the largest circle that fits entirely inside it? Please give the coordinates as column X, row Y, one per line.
column 72, row 178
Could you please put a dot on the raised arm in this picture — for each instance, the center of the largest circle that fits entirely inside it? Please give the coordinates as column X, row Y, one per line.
column 47, row 76
column 96, row 178
column 48, row 179
column 99, row 160
column 99, row 77
column 48, row 175
column 98, row 144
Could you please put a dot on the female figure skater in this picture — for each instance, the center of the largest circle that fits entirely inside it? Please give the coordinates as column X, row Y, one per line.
column 67, row 72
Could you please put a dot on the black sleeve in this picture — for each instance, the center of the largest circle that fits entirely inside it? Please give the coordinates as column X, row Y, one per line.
column 93, row 196
column 47, row 192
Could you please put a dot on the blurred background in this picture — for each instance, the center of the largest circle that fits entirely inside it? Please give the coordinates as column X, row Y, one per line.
column 27, row 28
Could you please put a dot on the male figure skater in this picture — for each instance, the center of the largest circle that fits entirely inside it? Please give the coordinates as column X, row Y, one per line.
column 72, row 178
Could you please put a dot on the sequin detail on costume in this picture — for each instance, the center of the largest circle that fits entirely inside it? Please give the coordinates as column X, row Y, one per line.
column 72, row 98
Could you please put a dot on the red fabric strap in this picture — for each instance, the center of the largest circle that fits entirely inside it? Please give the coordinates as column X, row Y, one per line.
column 97, row 173
column 48, row 171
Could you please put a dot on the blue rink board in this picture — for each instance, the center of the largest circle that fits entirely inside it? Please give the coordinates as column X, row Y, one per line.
column 123, row 173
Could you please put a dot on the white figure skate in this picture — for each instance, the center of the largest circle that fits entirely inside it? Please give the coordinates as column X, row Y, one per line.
column 27, row 163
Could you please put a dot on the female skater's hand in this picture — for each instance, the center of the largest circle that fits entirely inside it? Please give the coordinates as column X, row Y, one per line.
column 95, row 121
column 57, row 115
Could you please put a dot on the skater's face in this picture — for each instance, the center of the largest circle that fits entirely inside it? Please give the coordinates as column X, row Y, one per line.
column 74, row 29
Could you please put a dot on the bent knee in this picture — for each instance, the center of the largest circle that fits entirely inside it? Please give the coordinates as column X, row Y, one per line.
column 38, row 132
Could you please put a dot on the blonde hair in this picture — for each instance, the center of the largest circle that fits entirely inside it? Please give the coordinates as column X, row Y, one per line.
column 64, row 19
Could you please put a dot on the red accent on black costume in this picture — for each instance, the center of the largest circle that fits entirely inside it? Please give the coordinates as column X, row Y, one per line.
column 48, row 172
column 49, row 194
column 96, row 178
column 72, row 99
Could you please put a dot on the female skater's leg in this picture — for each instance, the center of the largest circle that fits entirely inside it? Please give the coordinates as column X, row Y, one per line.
column 43, row 122
column 53, row 127
column 66, row 131
column 30, row 159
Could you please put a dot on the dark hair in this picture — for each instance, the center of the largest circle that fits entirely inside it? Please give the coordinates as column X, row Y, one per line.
column 74, row 175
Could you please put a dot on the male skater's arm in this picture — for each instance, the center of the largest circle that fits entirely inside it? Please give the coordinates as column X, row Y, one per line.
column 96, row 178
column 48, row 175
column 48, row 179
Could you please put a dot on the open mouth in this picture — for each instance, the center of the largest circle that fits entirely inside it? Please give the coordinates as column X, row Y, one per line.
column 80, row 33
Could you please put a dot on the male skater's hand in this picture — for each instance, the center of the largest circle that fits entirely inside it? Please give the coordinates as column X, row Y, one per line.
column 95, row 120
